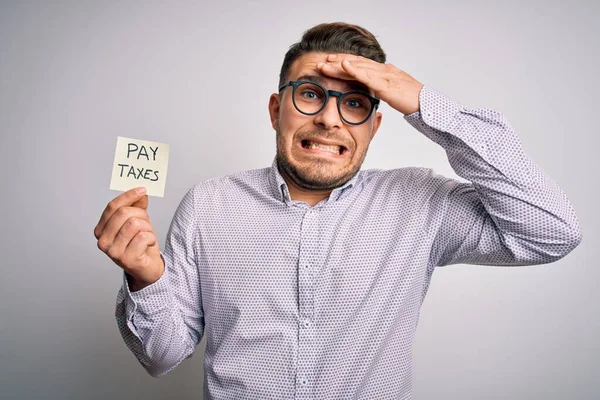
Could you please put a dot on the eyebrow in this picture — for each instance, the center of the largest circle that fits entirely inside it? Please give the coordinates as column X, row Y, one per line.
column 351, row 85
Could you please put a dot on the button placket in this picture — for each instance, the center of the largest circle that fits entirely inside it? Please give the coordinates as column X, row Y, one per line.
column 307, row 251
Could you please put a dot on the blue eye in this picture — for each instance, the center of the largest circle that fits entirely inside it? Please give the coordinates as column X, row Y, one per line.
column 309, row 94
column 354, row 103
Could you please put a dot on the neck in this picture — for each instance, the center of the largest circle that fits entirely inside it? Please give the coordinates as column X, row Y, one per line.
column 299, row 193
column 310, row 197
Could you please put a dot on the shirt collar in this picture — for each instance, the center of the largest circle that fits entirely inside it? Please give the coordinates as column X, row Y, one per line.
column 280, row 189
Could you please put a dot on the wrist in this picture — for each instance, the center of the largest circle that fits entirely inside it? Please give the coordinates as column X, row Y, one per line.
column 134, row 284
column 416, row 103
column 138, row 284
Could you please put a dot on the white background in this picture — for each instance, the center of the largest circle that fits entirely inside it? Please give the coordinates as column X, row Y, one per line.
column 75, row 75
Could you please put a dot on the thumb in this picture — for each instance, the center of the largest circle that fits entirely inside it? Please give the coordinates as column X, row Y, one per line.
column 142, row 203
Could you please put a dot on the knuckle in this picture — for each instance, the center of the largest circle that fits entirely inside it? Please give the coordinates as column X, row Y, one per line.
column 121, row 212
column 113, row 253
column 111, row 207
column 131, row 225
column 103, row 244
column 146, row 236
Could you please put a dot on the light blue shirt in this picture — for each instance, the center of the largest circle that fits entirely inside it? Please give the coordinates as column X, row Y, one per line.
column 322, row 302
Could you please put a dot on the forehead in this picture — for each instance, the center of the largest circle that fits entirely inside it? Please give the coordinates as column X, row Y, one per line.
column 306, row 65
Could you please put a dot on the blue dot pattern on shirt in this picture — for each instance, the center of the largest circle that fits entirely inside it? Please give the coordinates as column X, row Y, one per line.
column 322, row 302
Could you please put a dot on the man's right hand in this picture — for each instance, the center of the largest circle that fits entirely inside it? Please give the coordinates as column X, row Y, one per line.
column 125, row 234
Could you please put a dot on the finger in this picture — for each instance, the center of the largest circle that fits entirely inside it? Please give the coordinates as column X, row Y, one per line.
column 346, row 56
column 361, row 73
column 362, row 62
column 127, row 232
column 114, row 225
column 339, row 65
column 127, row 198
column 135, row 255
column 375, row 77
column 359, row 61
column 342, row 65
column 334, row 71
column 348, row 70
column 142, row 203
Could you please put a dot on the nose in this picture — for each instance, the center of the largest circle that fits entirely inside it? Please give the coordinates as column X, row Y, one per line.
column 329, row 117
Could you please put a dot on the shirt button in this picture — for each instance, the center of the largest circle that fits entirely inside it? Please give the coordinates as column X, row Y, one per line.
column 306, row 266
column 306, row 323
column 304, row 381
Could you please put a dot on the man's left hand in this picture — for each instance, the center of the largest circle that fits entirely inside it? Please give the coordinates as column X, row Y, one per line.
column 390, row 84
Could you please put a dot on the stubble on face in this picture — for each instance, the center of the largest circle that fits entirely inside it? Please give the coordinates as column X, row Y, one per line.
column 317, row 174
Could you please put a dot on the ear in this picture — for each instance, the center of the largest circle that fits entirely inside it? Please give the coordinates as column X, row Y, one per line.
column 376, row 124
column 274, row 103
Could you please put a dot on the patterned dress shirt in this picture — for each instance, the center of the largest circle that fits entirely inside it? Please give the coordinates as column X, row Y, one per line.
column 301, row 302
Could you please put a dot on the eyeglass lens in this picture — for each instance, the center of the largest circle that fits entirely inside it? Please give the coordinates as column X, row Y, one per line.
column 309, row 98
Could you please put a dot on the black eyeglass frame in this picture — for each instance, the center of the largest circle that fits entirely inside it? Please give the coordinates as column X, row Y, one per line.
column 340, row 96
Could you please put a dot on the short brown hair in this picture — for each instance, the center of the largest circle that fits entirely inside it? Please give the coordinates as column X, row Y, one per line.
column 334, row 37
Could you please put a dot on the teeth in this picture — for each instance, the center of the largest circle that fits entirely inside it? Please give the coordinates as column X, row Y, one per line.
column 332, row 149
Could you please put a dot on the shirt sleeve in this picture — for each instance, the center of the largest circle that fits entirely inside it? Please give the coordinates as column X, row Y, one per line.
column 163, row 323
column 510, row 212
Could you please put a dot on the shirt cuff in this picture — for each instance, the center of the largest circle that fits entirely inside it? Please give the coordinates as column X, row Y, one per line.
column 148, row 300
column 436, row 110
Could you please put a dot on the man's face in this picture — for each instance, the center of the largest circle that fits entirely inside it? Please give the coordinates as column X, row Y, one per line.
column 300, row 138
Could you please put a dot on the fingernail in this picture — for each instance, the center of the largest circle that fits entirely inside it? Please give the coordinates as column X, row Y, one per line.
column 141, row 190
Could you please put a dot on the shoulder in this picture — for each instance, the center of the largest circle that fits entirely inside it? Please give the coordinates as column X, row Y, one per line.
column 232, row 184
column 411, row 176
column 401, row 181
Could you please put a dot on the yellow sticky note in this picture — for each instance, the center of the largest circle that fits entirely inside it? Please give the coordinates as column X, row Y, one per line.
column 140, row 163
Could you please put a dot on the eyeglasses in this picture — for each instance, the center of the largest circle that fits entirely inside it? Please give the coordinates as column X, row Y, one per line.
column 310, row 98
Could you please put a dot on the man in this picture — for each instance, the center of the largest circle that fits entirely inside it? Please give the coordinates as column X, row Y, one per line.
column 307, row 277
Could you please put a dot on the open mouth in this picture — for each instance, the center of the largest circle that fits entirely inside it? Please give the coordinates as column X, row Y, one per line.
column 333, row 149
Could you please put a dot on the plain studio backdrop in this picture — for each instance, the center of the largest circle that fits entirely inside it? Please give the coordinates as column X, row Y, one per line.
column 198, row 75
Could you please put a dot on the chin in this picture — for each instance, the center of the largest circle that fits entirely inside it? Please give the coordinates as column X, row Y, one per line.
column 313, row 175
